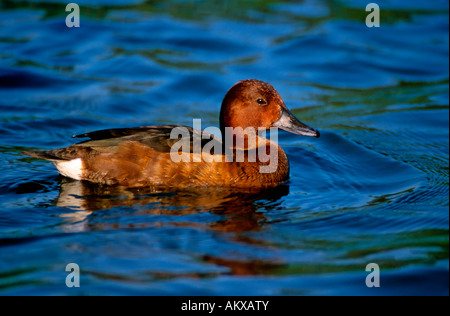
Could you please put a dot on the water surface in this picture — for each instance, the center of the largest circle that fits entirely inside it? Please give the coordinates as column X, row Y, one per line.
column 373, row 188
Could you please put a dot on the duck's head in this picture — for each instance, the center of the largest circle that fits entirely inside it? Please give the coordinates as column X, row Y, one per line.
column 256, row 104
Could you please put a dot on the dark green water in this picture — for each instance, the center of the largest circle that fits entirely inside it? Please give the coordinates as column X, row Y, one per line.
column 373, row 189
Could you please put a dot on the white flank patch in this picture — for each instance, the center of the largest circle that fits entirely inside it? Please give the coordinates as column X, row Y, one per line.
column 70, row 169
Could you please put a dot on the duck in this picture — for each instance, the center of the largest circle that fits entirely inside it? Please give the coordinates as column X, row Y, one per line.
column 176, row 156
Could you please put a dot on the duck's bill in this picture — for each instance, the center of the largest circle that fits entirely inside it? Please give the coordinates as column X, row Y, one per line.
column 288, row 122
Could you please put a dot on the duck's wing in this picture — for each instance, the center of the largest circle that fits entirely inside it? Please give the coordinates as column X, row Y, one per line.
column 160, row 138
column 124, row 132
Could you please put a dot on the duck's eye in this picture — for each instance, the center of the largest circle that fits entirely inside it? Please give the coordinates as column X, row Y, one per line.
column 261, row 101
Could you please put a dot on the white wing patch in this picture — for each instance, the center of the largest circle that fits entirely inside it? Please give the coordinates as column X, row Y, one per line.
column 71, row 169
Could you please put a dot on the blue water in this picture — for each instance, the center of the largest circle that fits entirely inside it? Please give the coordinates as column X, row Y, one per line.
column 373, row 189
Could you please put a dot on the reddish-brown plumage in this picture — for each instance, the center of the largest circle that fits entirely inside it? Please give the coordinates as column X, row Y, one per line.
column 141, row 156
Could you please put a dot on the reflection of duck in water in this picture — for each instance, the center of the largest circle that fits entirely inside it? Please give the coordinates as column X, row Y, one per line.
column 237, row 206
column 140, row 157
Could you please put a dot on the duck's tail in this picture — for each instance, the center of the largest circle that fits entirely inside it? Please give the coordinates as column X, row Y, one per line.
column 67, row 166
column 46, row 155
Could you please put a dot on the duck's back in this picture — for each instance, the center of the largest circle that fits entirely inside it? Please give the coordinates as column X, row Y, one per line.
column 144, row 156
